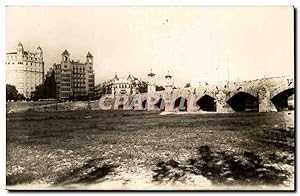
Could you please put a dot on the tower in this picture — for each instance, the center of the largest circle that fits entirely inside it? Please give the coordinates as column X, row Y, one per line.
column 114, row 85
column 65, row 59
column 20, row 49
column 116, row 78
column 129, row 78
column 39, row 53
column 129, row 87
column 89, row 58
column 90, row 79
column 169, row 85
column 151, row 83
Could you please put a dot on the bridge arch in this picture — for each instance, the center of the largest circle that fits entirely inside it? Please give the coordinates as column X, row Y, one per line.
column 280, row 89
column 249, row 91
column 281, row 98
column 207, row 103
column 161, row 104
column 243, row 102
column 200, row 92
column 180, row 104
column 144, row 104
column 135, row 102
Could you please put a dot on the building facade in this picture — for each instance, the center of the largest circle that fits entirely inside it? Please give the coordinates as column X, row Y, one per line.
column 121, row 86
column 25, row 69
column 74, row 79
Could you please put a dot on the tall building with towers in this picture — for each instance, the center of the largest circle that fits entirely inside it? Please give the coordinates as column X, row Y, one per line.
column 25, row 69
column 74, row 79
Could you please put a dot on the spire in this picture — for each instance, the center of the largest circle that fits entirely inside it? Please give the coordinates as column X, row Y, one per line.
column 39, row 48
column 168, row 75
column 151, row 74
column 65, row 52
column 89, row 54
column 116, row 76
column 20, row 44
column 129, row 76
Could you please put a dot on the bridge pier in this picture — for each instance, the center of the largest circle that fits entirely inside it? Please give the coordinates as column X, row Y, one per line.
column 169, row 103
column 191, row 103
column 264, row 100
column 221, row 104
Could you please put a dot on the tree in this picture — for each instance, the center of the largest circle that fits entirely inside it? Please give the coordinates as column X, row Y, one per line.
column 21, row 97
column 159, row 88
column 143, row 87
column 38, row 93
column 46, row 90
column 50, row 86
column 11, row 92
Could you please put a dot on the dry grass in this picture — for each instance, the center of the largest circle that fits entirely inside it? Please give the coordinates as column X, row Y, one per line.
column 53, row 147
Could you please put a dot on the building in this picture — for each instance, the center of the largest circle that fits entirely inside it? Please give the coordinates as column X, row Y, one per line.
column 121, row 86
column 25, row 69
column 98, row 91
column 74, row 79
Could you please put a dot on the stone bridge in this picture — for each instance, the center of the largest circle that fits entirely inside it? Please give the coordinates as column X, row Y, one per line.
column 260, row 95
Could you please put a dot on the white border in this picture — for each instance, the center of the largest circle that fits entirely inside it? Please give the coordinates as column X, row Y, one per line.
column 3, row 3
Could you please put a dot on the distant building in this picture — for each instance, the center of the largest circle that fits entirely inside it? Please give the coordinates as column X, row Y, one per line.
column 74, row 79
column 25, row 69
column 98, row 91
column 120, row 86
column 123, row 86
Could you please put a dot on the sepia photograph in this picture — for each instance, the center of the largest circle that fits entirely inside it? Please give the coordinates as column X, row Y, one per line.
column 150, row 98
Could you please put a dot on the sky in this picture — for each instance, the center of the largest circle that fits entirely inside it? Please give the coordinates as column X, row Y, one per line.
column 195, row 44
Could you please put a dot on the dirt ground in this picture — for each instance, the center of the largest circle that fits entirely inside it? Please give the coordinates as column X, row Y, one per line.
column 145, row 150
